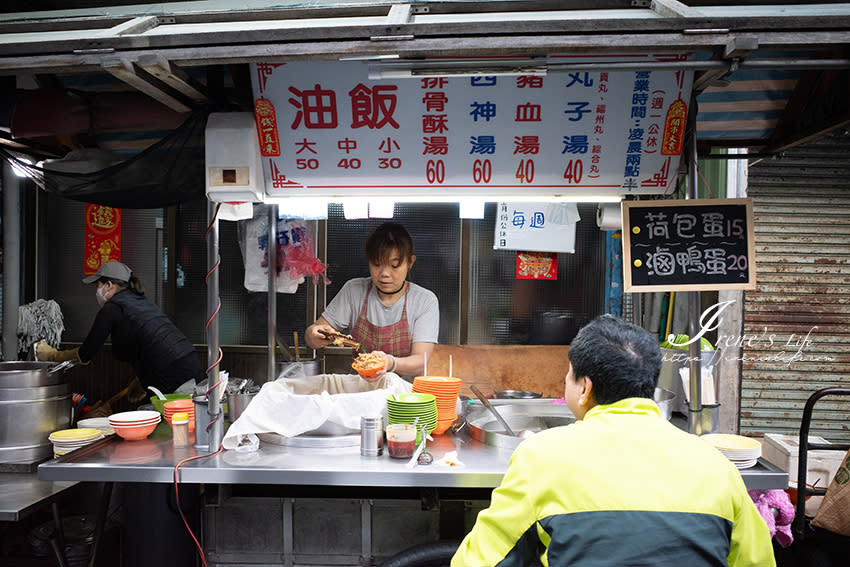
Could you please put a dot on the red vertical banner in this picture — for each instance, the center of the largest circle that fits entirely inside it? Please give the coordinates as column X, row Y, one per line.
column 103, row 237
column 264, row 116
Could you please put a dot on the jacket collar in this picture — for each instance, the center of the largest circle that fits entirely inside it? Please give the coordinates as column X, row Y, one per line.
column 640, row 406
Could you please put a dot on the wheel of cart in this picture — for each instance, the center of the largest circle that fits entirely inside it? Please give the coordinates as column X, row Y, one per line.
column 814, row 546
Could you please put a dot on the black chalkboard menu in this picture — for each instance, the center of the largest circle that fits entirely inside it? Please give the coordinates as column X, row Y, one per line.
column 688, row 245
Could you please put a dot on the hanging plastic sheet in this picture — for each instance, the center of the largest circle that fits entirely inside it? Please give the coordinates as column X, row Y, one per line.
column 169, row 172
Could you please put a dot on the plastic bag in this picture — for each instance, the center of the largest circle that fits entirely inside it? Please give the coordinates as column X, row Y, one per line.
column 834, row 511
column 300, row 260
column 254, row 244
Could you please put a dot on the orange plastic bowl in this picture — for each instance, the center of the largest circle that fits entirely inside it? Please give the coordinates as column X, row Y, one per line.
column 134, row 432
column 443, row 426
column 366, row 372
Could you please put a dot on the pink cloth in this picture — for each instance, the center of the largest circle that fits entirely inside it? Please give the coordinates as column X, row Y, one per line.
column 778, row 512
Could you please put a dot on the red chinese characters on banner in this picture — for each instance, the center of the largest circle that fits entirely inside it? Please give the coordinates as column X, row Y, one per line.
column 674, row 128
column 103, row 237
column 536, row 266
column 266, row 128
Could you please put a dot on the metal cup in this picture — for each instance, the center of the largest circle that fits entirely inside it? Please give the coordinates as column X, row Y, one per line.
column 236, row 404
column 372, row 435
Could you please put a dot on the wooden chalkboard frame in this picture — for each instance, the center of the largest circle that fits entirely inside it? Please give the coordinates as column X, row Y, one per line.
column 696, row 204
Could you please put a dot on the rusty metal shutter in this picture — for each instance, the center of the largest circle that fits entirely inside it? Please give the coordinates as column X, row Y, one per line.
column 802, row 237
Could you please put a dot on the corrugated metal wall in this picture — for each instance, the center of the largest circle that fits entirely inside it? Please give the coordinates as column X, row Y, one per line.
column 797, row 323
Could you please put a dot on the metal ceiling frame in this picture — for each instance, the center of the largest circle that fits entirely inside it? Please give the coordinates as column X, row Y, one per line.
column 152, row 52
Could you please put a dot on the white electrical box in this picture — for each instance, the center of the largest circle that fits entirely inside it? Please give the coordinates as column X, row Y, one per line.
column 234, row 172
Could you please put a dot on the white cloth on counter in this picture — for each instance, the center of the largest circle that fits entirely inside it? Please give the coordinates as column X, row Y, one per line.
column 335, row 402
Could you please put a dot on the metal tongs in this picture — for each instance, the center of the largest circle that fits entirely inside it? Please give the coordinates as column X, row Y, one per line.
column 62, row 366
column 346, row 340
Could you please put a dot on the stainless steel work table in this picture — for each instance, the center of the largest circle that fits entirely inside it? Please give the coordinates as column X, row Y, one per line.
column 21, row 494
column 153, row 460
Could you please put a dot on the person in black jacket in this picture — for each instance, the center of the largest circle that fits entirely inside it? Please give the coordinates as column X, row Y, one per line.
column 142, row 335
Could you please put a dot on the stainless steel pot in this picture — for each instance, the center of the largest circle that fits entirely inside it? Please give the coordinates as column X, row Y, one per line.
column 27, row 374
column 518, row 394
column 28, row 416
column 311, row 367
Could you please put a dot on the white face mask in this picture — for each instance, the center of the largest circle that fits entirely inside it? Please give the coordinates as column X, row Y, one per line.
column 101, row 298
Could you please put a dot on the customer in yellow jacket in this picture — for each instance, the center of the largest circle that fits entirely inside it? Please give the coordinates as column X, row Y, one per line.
column 622, row 486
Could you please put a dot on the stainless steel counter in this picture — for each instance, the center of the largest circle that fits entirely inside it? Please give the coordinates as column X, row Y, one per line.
column 23, row 493
column 153, row 460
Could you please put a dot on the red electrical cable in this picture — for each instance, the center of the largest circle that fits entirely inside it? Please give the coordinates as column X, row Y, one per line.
column 704, row 181
column 180, row 508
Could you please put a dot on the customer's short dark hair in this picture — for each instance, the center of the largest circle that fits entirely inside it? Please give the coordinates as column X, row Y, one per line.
column 388, row 237
column 622, row 360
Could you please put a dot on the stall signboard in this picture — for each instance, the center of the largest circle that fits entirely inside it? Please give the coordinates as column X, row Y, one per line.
column 539, row 227
column 327, row 129
column 688, row 245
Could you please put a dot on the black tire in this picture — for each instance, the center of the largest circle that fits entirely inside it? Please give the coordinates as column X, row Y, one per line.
column 437, row 554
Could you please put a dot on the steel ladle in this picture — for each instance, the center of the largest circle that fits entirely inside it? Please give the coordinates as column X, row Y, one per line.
column 490, row 407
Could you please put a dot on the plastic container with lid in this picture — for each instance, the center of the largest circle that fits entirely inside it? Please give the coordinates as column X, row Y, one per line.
column 180, row 429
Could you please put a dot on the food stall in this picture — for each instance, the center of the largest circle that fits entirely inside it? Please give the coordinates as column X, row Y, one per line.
column 296, row 468
column 270, row 505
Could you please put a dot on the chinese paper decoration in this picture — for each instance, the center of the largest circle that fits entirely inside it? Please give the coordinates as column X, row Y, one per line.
column 674, row 128
column 536, row 266
column 346, row 131
column 103, row 237
column 266, row 128
column 541, row 227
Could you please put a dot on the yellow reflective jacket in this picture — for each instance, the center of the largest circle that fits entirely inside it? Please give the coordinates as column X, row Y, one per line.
column 620, row 488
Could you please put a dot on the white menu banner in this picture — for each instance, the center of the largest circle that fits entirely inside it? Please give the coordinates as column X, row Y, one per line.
column 326, row 129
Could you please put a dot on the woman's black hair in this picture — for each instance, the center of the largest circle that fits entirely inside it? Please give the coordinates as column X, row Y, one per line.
column 388, row 237
column 135, row 284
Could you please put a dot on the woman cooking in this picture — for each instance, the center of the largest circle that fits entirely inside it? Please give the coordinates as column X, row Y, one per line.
column 142, row 335
column 395, row 319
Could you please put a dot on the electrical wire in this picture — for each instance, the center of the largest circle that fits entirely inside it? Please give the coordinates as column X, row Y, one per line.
column 177, row 499
column 704, row 181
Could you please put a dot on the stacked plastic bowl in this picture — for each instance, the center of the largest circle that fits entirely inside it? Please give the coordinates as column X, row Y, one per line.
column 177, row 406
column 66, row 440
column 134, row 425
column 445, row 389
column 100, row 423
column 405, row 408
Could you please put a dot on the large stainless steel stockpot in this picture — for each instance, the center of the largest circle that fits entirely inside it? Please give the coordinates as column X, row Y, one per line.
column 33, row 403
column 27, row 374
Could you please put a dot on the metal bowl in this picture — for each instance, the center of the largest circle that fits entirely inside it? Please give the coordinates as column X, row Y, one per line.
column 518, row 394
column 523, row 417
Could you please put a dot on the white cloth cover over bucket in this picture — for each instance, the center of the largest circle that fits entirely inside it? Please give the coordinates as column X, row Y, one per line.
column 326, row 404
